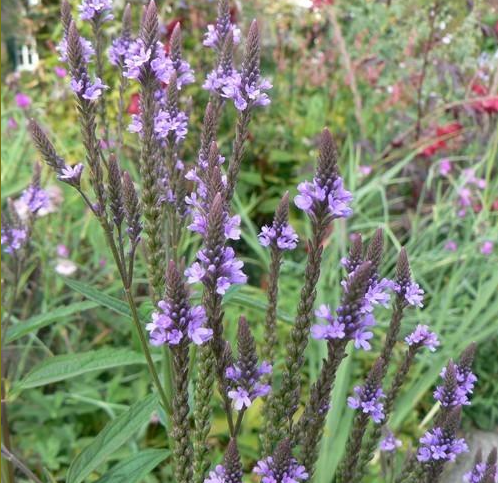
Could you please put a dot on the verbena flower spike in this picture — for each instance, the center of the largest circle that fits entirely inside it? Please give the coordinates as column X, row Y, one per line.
column 182, row 208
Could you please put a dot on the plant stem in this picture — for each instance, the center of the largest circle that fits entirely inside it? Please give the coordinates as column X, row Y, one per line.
column 12, row 459
column 6, row 433
column 425, row 64
column 145, row 347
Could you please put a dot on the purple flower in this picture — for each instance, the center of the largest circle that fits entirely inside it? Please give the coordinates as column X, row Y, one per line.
column 333, row 330
column 137, row 56
column 361, row 335
column 220, row 79
column 227, row 269
column 412, row 293
column 422, row 336
column 445, row 167
column 96, row 8
column 167, row 124
column 13, row 239
column 217, row 476
column 455, row 391
column 246, row 95
column 214, row 36
column 86, row 89
column 389, row 443
column 118, row 50
column 245, row 385
column 35, row 198
column 60, row 72
column 451, row 246
column 487, row 248
column 23, row 101
column 94, row 91
column 284, row 236
column 240, row 398
column 436, row 446
column 377, row 293
column 175, row 320
column 271, row 473
column 482, row 472
column 335, row 198
column 367, row 399
column 12, row 123
column 71, row 174
column 86, row 46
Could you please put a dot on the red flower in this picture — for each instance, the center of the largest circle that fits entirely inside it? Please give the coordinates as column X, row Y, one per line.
column 448, row 129
column 433, row 148
column 134, row 106
column 479, row 89
column 490, row 105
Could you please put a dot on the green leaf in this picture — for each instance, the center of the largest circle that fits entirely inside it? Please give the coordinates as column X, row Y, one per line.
column 135, row 467
column 114, row 435
column 37, row 322
column 59, row 368
column 113, row 303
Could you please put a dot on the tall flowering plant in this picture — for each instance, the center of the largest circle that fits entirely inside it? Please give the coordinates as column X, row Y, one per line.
column 173, row 195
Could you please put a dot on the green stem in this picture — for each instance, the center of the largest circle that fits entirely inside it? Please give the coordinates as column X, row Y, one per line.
column 136, row 318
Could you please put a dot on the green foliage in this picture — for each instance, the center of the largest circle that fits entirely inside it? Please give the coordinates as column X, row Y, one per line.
column 75, row 355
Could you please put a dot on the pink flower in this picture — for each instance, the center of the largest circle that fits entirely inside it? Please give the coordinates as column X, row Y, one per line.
column 487, row 247
column 445, row 167
column 364, row 169
column 451, row 246
column 22, row 100
column 62, row 251
column 12, row 123
column 60, row 72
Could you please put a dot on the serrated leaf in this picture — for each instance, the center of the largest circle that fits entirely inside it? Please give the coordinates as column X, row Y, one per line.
column 114, row 435
column 59, row 368
column 37, row 322
column 135, row 467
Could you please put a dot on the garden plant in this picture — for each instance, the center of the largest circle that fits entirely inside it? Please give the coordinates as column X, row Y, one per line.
column 223, row 359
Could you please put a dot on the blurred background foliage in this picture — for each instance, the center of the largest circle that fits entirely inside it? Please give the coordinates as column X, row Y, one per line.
column 410, row 90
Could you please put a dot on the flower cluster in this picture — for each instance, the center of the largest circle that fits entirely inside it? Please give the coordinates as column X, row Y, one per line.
column 389, row 443
column 176, row 320
column 483, row 471
column 87, row 89
column 435, row 445
column 168, row 123
column 334, row 196
column 281, row 235
column 35, row 198
column 216, row 34
column 170, row 327
column 468, row 193
column 245, row 388
column 476, row 475
column 86, row 47
column 13, row 239
column 422, row 336
column 269, row 472
column 92, row 9
column 362, row 292
column 458, row 383
column 226, row 268
column 443, row 134
column 218, row 475
column 118, row 50
column 368, row 400
column 411, row 291
column 244, row 93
